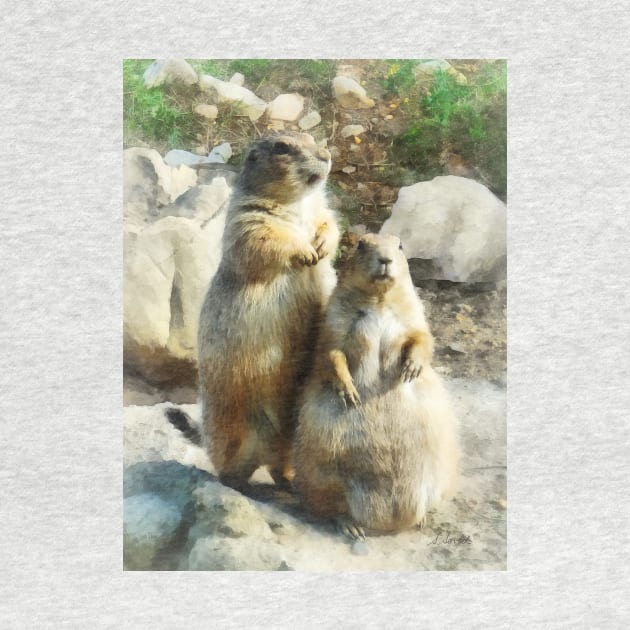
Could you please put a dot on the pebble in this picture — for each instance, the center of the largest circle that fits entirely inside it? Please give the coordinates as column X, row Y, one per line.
column 310, row 120
column 349, row 169
column 360, row 548
column 352, row 130
column 207, row 111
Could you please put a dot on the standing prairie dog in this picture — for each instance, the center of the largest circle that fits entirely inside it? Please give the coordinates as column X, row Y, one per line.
column 376, row 444
column 258, row 320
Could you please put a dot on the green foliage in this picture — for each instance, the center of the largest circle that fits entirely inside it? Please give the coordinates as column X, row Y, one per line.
column 400, row 77
column 468, row 119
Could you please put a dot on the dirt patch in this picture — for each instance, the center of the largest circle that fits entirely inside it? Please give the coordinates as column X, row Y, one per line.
column 470, row 329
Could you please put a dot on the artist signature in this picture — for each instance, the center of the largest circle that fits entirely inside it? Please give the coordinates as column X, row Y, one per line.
column 448, row 539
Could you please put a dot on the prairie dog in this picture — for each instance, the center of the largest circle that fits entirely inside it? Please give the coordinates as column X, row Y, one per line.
column 264, row 304
column 376, row 444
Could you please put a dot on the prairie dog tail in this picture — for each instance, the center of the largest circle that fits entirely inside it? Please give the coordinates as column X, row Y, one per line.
column 182, row 421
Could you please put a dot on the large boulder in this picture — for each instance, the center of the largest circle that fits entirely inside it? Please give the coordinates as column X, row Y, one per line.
column 148, row 183
column 149, row 524
column 168, row 265
column 227, row 92
column 457, row 223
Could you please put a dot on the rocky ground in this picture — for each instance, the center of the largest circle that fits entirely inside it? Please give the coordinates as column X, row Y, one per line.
column 179, row 517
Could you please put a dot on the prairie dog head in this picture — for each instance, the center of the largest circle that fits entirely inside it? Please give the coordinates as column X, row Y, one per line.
column 284, row 167
column 376, row 264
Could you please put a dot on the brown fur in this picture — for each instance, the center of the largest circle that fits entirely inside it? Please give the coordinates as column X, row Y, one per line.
column 376, row 444
column 259, row 318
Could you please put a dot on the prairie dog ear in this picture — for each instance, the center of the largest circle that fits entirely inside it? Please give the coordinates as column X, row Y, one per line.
column 252, row 156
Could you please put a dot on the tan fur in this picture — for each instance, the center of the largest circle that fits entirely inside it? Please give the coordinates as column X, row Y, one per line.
column 259, row 318
column 376, row 440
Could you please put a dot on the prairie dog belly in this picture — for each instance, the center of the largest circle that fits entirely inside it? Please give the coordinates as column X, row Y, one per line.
column 373, row 351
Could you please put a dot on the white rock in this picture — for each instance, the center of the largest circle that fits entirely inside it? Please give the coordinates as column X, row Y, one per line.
column 149, row 524
column 455, row 221
column 207, row 111
column 168, row 266
column 352, row 130
column 286, row 107
column 348, row 93
column 432, row 66
column 349, row 169
column 220, row 154
column 169, row 71
column 225, row 92
column 149, row 182
column 237, row 78
column 310, row 120
column 177, row 157
column 201, row 202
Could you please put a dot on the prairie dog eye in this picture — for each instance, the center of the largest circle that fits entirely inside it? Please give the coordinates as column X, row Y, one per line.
column 400, row 247
column 361, row 246
column 281, row 148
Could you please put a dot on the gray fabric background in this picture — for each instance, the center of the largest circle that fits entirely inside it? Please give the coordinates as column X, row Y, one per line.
column 61, row 464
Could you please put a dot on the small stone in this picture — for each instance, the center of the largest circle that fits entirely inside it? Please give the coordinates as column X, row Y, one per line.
column 502, row 503
column 388, row 117
column 348, row 93
column 432, row 66
column 225, row 92
column 237, row 78
column 221, row 153
column 286, row 107
column 349, row 169
column 310, row 120
column 457, row 348
column 352, row 130
column 169, row 71
column 207, row 111
column 360, row 548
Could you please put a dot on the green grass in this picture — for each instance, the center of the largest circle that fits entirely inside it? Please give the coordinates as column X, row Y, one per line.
column 155, row 116
column 466, row 119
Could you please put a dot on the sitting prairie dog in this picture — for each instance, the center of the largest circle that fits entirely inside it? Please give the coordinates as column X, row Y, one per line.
column 376, row 444
column 261, row 311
